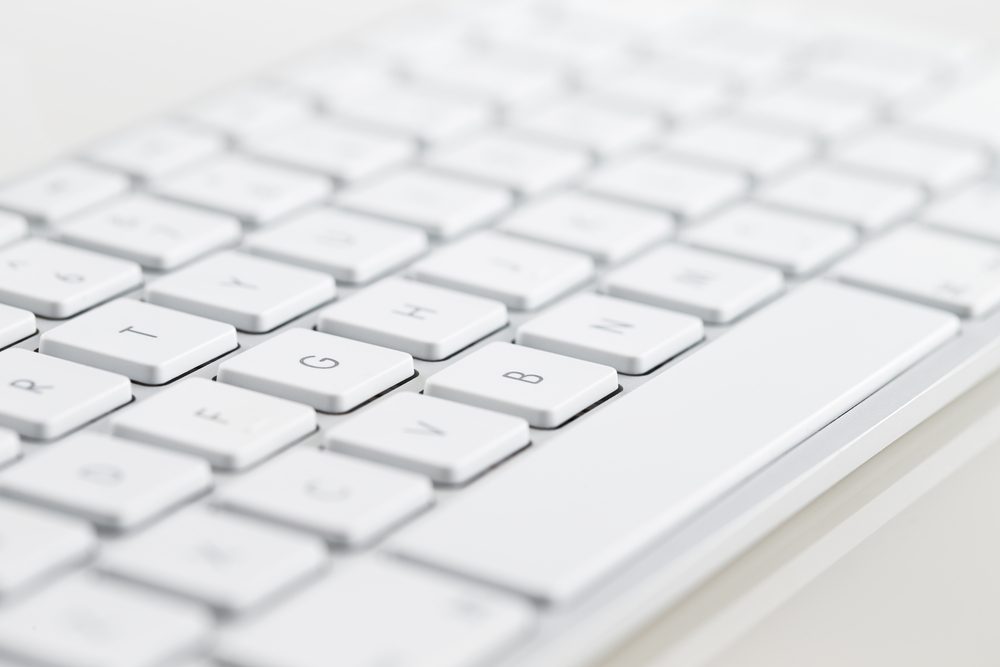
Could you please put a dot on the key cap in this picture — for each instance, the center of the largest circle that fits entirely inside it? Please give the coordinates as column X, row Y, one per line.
column 44, row 397
column 10, row 446
column 12, row 228
column 343, row 499
column 796, row 244
column 230, row 427
column 35, row 544
column 15, row 325
column 509, row 82
column 152, row 232
column 379, row 612
column 511, row 161
column 974, row 211
column 826, row 111
column 717, row 289
column 251, row 293
column 867, row 201
column 521, row 274
column 155, row 149
column 336, row 74
column 969, row 111
column 630, row 337
column 422, row 320
column 330, row 373
column 686, row 189
column 606, row 230
column 338, row 150
column 222, row 560
column 938, row 269
column 442, row 206
column 544, row 388
column 878, row 70
column 352, row 248
column 88, row 620
column 146, row 343
column 112, row 482
column 675, row 92
column 589, row 123
column 248, row 110
column 663, row 451
column 61, row 190
column 255, row 192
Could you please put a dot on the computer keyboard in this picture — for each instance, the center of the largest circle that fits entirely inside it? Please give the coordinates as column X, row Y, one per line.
column 410, row 352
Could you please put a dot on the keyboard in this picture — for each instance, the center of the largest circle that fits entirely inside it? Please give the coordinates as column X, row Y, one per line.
column 459, row 341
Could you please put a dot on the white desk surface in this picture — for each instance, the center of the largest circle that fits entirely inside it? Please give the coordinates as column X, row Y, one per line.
column 894, row 566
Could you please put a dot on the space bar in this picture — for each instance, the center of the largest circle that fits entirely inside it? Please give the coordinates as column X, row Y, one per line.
column 566, row 515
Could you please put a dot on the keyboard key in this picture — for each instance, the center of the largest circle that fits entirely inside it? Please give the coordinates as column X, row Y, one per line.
column 330, row 373
column 255, row 192
column 630, row 337
column 225, row 561
column 10, row 448
column 796, row 244
column 15, row 325
column 230, row 427
column 511, row 161
column 352, row 248
column 155, row 149
column 61, row 190
column 661, row 452
column 343, row 499
column 422, row 320
column 248, row 110
column 935, row 268
column 251, row 293
column 867, row 201
column 590, row 124
column 675, row 92
column 545, row 389
column 88, row 620
column 34, row 544
column 44, row 397
column 521, row 274
column 442, row 206
column 826, row 111
column 973, row 211
column 379, row 612
column 112, row 482
column 12, row 228
column 606, row 230
column 336, row 74
column 154, row 233
column 56, row 280
column 506, row 81
column 146, row 343
column 876, row 69
column 717, row 289
column 686, row 189
column 969, row 112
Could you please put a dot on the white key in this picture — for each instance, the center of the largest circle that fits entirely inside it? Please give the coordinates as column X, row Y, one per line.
column 686, row 189
column 441, row 205
column 974, row 211
column 970, row 111
column 877, row 70
column 112, row 482
column 544, row 388
column 330, row 373
column 256, row 192
column 146, row 343
column 449, row 442
column 341, row 151
column 511, row 161
column 45, row 397
column 248, row 110
column 631, row 337
column 825, row 111
column 156, row 149
column 926, row 160
column 57, row 280
column 10, row 447
column 230, row 427
column 61, row 190
column 152, row 232
column 225, row 561
column 509, row 82
column 352, row 248
column 88, row 620
column 343, row 499
column 34, row 544
column 380, row 613
column 590, row 123
column 672, row 91
column 796, row 244
column 606, row 230
column 663, row 451
column 757, row 150
column 422, row 320
column 866, row 201
column 717, row 289
column 12, row 227
column 251, row 293
column 932, row 267
column 15, row 324
column 521, row 274
column 337, row 74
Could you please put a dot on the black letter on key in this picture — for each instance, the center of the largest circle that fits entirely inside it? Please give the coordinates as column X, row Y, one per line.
column 136, row 331
column 530, row 378
column 321, row 362
column 30, row 385
column 416, row 312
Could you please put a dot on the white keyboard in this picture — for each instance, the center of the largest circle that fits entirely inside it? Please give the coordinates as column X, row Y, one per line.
column 418, row 350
